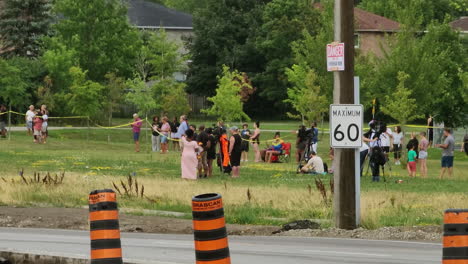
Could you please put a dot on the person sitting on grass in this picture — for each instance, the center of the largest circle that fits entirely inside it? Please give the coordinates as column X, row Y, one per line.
column 411, row 166
column 314, row 165
column 275, row 149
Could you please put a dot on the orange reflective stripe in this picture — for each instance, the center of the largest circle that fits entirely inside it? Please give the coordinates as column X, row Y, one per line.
column 456, row 218
column 228, row 261
column 211, row 245
column 102, row 197
column 105, row 234
column 106, row 253
column 455, row 241
column 104, row 215
column 207, row 206
column 451, row 261
column 209, row 224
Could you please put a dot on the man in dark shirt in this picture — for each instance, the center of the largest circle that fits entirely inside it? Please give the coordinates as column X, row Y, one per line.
column 203, row 141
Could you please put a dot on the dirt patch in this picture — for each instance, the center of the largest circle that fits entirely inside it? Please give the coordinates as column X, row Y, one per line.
column 77, row 219
column 415, row 233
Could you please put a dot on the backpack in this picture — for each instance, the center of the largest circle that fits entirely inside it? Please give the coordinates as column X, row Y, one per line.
column 378, row 156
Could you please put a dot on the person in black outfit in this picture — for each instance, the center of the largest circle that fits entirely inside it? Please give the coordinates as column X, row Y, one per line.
column 301, row 143
column 413, row 142
column 203, row 141
column 235, row 151
column 210, row 151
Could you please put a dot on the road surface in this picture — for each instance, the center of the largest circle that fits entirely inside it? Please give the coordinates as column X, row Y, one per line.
column 178, row 249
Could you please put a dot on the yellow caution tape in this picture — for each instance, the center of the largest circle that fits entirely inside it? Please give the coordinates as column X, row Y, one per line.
column 168, row 138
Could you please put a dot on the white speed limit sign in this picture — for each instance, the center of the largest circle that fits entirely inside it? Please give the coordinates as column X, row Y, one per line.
column 346, row 125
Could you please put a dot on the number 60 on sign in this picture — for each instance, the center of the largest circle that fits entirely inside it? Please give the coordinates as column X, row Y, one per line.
column 346, row 126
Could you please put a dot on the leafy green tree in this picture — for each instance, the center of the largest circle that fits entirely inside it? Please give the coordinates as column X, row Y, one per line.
column 227, row 103
column 113, row 93
column 225, row 33
column 141, row 95
column 400, row 105
column 189, row 6
column 85, row 96
column 100, row 34
column 12, row 86
column 305, row 95
column 284, row 22
column 173, row 97
column 22, row 24
column 45, row 95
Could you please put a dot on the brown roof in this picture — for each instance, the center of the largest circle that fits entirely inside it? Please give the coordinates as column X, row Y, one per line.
column 460, row 24
column 367, row 21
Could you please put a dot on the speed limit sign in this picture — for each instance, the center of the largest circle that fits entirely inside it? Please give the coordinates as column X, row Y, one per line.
column 346, row 125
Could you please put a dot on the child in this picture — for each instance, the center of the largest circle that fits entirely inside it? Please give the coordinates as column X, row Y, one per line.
column 411, row 166
column 37, row 128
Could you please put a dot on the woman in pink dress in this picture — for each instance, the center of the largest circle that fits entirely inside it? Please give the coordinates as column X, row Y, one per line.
column 189, row 161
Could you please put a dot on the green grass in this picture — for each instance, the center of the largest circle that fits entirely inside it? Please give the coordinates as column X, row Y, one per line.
column 278, row 194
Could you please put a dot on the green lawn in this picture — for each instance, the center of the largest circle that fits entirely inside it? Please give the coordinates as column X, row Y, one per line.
column 277, row 193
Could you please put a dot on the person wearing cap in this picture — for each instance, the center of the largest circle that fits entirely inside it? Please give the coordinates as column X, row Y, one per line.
column 235, row 151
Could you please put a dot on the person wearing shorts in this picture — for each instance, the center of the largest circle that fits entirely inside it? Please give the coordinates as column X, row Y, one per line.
column 422, row 157
column 411, row 166
column 38, row 128
column 136, row 128
column 165, row 130
column 448, row 149
column 398, row 139
column 29, row 119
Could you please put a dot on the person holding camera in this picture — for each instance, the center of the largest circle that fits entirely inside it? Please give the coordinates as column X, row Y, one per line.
column 377, row 152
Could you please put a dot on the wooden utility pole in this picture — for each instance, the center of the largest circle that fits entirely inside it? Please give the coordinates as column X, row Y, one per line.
column 343, row 93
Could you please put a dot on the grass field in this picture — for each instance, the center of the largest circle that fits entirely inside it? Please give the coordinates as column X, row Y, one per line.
column 265, row 194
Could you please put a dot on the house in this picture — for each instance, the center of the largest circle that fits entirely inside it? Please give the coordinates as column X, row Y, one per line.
column 460, row 24
column 371, row 31
column 146, row 15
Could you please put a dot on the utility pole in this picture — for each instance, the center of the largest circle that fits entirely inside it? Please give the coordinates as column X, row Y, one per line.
column 343, row 93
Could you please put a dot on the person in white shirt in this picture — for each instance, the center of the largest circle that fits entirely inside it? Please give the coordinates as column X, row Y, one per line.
column 45, row 116
column 314, row 165
column 398, row 141
column 29, row 119
column 385, row 140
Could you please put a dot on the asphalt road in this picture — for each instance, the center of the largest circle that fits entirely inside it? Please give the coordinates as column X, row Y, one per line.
column 178, row 249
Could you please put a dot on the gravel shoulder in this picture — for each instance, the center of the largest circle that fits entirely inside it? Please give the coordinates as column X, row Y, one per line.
column 77, row 219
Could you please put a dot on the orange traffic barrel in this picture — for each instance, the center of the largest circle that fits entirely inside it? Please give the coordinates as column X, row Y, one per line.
column 209, row 228
column 455, row 237
column 104, row 228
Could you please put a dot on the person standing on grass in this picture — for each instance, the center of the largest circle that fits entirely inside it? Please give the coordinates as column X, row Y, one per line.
column 156, row 137
column 422, row 157
column 174, row 127
column 245, row 135
column 256, row 141
column 189, row 161
column 430, row 129
column 3, row 120
column 301, row 143
column 165, row 130
column 183, row 127
column 315, row 136
column 37, row 127
column 45, row 125
column 210, row 151
column 398, row 141
column 464, row 147
column 235, row 151
column 136, row 128
column 411, row 165
column 203, row 141
column 447, row 153
column 29, row 119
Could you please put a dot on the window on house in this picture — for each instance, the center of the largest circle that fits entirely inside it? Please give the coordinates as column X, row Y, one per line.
column 356, row 41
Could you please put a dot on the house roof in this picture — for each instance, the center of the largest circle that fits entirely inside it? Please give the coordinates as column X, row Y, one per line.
column 367, row 21
column 145, row 14
column 460, row 24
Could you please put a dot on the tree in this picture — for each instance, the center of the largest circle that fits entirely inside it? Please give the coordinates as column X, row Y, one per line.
column 141, row 95
column 45, row 95
column 284, row 22
column 163, row 56
column 305, row 96
column 173, row 97
column 400, row 105
column 189, row 6
column 227, row 103
column 100, row 34
column 85, row 96
column 13, row 88
column 113, row 92
column 22, row 24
